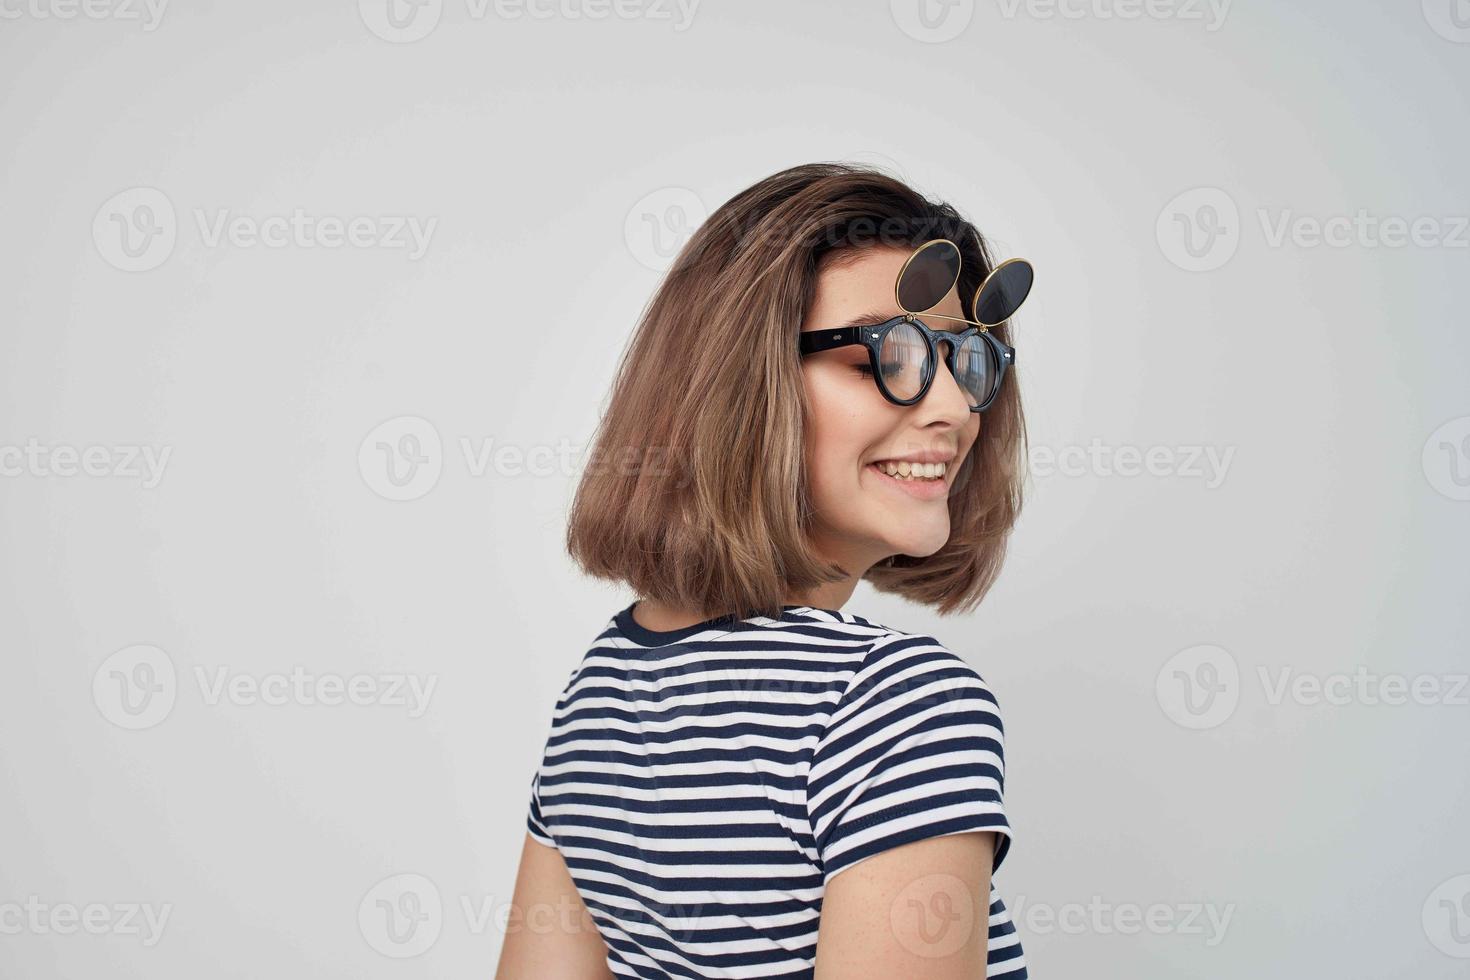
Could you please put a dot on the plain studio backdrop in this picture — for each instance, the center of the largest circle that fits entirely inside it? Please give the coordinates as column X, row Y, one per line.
column 309, row 313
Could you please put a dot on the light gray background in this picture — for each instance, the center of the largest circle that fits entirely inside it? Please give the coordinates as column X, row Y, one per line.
column 558, row 158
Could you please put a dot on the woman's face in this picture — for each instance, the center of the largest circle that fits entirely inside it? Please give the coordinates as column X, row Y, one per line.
column 863, row 514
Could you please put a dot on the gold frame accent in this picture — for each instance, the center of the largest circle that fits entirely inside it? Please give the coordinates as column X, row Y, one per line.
column 974, row 300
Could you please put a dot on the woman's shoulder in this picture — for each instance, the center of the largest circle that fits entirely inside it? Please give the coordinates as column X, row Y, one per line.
column 900, row 662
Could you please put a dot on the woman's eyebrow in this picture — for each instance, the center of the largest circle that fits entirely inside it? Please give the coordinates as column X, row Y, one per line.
column 870, row 319
column 875, row 317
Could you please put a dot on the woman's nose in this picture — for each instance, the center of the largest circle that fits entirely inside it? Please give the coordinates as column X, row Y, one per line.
column 946, row 387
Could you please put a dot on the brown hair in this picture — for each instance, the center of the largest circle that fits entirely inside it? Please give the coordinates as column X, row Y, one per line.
column 695, row 492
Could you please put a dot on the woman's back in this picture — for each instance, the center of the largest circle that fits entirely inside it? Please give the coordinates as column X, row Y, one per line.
column 704, row 784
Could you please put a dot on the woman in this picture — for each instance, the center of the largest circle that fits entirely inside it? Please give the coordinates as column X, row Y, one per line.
column 818, row 393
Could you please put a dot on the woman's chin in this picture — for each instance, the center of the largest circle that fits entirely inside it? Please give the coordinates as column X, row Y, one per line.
column 921, row 547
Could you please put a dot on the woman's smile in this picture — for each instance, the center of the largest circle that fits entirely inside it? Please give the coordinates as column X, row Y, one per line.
column 920, row 482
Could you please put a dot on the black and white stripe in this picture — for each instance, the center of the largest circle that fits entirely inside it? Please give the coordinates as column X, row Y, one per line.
column 704, row 784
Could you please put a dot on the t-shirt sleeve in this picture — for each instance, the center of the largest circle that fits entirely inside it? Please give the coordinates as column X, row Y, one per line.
column 913, row 749
column 537, row 824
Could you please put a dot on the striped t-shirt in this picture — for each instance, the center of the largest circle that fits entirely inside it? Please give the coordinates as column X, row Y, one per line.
column 704, row 784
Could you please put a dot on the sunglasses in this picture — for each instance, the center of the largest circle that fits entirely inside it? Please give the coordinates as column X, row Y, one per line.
column 901, row 351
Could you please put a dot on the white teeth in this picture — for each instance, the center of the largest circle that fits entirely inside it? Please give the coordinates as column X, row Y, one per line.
column 904, row 470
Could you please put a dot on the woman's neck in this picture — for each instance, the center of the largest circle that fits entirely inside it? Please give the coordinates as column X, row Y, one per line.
column 661, row 617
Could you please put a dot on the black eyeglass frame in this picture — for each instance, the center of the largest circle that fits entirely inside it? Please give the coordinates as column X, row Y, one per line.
column 871, row 337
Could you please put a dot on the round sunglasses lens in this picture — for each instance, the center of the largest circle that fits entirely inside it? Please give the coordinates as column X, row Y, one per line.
column 1003, row 292
column 928, row 276
column 903, row 358
column 975, row 370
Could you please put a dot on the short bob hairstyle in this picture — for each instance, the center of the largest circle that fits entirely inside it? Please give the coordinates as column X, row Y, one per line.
column 695, row 492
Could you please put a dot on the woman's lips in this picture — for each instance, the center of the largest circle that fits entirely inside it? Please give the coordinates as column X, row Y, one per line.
column 922, row 489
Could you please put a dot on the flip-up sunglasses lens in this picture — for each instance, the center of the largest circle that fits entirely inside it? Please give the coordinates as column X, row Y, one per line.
column 1003, row 292
column 928, row 275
